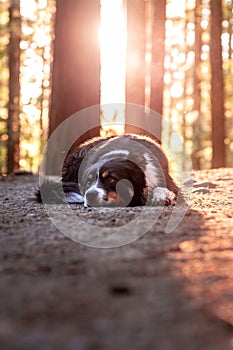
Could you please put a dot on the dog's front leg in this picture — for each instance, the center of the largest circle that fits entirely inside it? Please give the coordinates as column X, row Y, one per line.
column 72, row 193
column 161, row 196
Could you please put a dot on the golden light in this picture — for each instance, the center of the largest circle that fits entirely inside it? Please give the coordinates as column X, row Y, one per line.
column 36, row 57
column 113, row 42
column 28, row 9
column 34, row 78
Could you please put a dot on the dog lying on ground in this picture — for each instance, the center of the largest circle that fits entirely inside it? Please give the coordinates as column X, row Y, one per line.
column 116, row 171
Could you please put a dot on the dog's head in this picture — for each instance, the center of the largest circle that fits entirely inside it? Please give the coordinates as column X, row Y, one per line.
column 117, row 182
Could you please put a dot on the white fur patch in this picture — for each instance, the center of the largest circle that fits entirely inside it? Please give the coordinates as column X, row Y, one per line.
column 94, row 188
column 73, row 197
column 150, row 172
column 162, row 196
column 115, row 152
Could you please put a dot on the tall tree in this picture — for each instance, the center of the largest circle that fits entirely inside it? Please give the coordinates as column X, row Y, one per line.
column 197, row 140
column 158, row 53
column 76, row 68
column 146, row 37
column 135, row 62
column 136, row 48
column 13, row 124
column 217, row 86
column 75, row 75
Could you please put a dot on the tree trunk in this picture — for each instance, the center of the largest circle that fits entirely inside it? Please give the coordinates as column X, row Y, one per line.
column 13, row 123
column 141, row 43
column 76, row 77
column 158, row 53
column 135, row 76
column 135, row 63
column 76, row 67
column 217, row 86
column 197, row 88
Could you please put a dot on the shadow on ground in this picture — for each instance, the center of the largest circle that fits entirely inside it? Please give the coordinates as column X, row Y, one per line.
column 163, row 291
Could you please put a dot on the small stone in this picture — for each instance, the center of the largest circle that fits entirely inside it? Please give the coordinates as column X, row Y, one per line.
column 201, row 190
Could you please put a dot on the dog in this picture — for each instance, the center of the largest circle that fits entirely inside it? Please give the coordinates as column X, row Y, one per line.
column 116, row 171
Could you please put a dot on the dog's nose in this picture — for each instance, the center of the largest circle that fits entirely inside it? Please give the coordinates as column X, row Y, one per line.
column 91, row 198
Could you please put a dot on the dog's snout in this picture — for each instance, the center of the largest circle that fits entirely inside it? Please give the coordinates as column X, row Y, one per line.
column 95, row 197
column 91, row 197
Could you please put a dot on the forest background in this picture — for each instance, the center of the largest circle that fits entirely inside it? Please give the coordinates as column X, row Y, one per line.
column 173, row 56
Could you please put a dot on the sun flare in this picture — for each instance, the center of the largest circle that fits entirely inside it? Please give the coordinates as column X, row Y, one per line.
column 113, row 42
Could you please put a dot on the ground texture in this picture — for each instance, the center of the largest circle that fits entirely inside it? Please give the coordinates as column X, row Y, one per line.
column 164, row 291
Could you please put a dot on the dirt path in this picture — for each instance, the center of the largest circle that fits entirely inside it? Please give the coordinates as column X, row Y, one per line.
column 165, row 291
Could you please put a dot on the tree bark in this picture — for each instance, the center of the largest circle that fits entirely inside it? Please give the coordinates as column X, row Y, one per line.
column 141, row 42
column 217, row 86
column 13, row 123
column 136, row 48
column 135, row 63
column 75, row 77
column 197, row 142
column 76, row 67
column 158, row 54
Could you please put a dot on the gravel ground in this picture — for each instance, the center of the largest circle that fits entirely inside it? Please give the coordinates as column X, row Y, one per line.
column 164, row 291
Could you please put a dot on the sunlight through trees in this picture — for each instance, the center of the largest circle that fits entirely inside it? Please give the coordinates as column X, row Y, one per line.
column 179, row 63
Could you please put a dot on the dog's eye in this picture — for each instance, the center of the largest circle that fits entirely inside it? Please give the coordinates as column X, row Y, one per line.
column 89, row 180
column 110, row 180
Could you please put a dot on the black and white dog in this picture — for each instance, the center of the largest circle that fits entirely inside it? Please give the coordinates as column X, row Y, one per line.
column 128, row 170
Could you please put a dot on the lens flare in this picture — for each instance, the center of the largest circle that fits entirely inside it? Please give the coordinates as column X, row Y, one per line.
column 113, row 40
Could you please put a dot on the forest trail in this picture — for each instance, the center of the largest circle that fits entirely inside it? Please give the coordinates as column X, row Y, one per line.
column 162, row 292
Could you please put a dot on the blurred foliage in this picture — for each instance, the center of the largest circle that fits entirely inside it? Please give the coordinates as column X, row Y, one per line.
column 37, row 18
column 227, row 43
column 4, row 76
column 187, row 78
column 186, row 83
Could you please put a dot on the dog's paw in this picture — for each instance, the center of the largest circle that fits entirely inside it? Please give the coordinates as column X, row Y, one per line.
column 73, row 197
column 162, row 196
